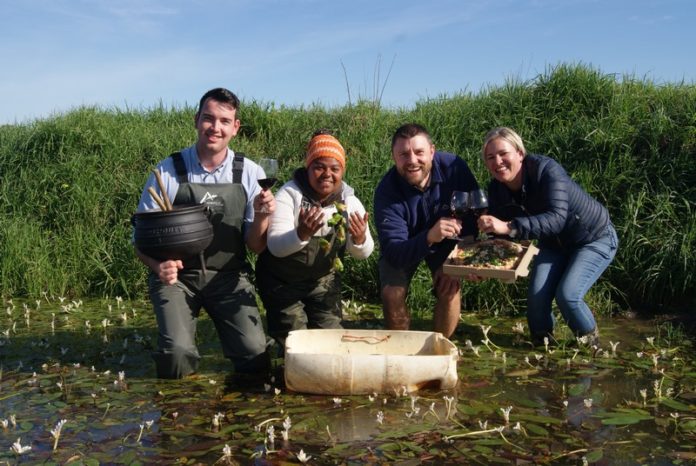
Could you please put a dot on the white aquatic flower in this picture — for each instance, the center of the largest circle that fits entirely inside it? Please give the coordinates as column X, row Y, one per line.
column 517, row 426
column 582, row 339
column 483, row 424
column 380, row 417
column 337, row 401
column 506, row 413
column 651, row 340
column 121, row 376
column 639, row 354
column 18, row 449
column 371, row 398
column 613, row 346
column 475, row 349
column 226, row 452
column 148, row 424
column 587, row 402
column 449, row 403
column 55, row 432
column 565, row 403
column 5, row 423
column 287, row 423
column 485, row 329
column 302, row 457
column 13, row 420
column 270, row 433
column 217, row 418
column 518, row 328
column 655, row 358
column 276, row 391
column 212, row 382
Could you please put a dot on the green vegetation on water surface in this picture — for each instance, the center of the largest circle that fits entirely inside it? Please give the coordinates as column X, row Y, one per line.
column 629, row 402
column 69, row 184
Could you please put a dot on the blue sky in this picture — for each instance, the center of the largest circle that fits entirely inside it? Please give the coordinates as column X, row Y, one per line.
column 61, row 54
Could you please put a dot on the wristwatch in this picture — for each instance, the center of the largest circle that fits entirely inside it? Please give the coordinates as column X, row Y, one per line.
column 513, row 230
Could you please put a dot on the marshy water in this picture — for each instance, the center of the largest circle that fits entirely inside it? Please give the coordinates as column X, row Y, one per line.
column 630, row 401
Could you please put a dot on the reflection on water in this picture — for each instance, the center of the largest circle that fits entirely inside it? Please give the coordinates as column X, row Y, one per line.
column 631, row 401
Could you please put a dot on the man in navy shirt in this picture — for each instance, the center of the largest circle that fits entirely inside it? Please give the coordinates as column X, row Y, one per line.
column 412, row 215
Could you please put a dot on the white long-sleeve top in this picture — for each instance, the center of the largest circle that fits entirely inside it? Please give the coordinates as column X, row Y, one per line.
column 282, row 231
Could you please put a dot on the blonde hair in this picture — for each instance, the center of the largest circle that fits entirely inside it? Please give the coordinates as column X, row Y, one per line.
column 506, row 134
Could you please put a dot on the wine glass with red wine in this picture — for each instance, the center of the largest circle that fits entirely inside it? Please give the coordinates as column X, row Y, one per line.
column 459, row 206
column 478, row 202
column 270, row 168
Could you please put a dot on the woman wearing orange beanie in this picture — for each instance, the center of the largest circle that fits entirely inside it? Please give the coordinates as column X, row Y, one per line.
column 317, row 219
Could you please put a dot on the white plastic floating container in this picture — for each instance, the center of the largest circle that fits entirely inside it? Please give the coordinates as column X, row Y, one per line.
column 351, row 362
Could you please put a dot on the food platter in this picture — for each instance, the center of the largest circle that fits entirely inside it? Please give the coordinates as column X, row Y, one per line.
column 493, row 258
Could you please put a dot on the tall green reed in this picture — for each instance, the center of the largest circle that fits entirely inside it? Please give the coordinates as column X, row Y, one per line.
column 69, row 183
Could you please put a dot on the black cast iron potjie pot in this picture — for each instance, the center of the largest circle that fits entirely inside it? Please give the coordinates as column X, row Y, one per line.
column 175, row 234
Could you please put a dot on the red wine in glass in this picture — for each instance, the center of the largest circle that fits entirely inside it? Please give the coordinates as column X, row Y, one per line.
column 478, row 202
column 267, row 183
column 459, row 206
column 270, row 168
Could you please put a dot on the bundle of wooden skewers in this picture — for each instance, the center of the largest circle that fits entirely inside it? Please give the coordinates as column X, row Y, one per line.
column 163, row 202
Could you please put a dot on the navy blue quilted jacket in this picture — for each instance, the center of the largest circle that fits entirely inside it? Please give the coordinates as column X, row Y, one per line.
column 550, row 207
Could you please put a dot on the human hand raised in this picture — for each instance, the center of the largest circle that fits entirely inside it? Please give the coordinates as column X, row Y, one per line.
column 309, row 222
column 357, row 227
column 444, row 228
column 264, row 203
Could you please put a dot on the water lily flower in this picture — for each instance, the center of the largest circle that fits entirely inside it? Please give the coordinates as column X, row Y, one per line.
column 337, row 401
column 302, row 457
column 175, row 415
column 613, row 346
column 55, row 432
column 565, row 403
column 18, row 449
column 650, row 340
column 212, row 382
column 226, row 453
column 270, row 433
column 644, row 394
column 655, row 357
column 518, row 328
column 506, row 413
column 13, row 420
column 587, row 402
column 276, row 391
column 4, row 423
column 483, row 425
column 371, row 398
column 639, row 354
column 380, row 417
column 216, row 419
column 449, row 403
column 286, row 428
column 546, row 344
column 119, row 300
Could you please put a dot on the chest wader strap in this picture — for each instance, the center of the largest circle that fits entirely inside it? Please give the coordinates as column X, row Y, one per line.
column 180, row 167
column 237, row 167
column 181, row 174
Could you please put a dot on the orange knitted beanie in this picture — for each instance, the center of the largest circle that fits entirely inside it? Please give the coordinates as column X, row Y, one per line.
column 325, row 145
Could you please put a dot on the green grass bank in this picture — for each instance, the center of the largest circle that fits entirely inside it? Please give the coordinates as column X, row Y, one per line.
column 69, row 184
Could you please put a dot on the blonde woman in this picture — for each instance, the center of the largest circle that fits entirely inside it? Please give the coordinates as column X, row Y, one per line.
column 532, row 197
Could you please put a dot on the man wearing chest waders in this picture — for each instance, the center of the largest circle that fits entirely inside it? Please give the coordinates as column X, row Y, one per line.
column 210, row 173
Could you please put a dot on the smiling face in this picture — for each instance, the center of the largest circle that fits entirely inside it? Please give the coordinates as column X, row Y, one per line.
column 504, row 162
column 413, row 158
column 325, row 175
column 216, row 124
